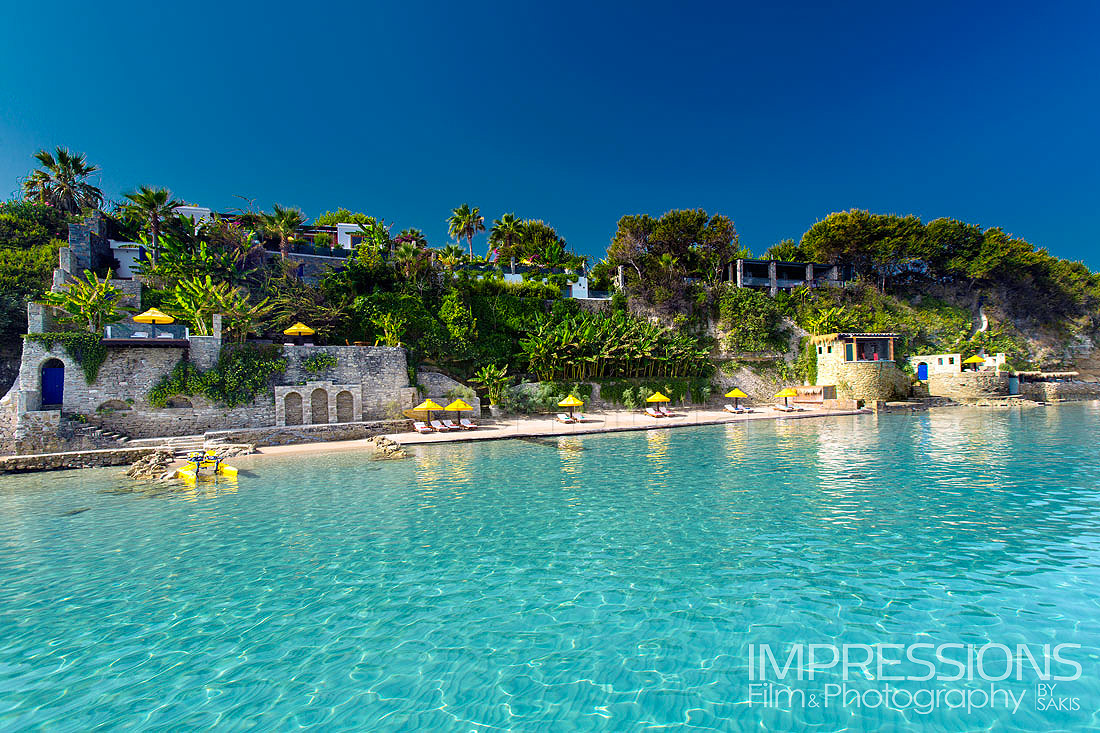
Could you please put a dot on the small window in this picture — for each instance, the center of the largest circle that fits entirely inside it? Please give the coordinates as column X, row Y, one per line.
column 830, row 348
column 950, row 360
column 940, row 361
column 820, row 350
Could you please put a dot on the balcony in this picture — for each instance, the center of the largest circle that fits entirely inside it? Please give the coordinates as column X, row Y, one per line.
column 172, row 335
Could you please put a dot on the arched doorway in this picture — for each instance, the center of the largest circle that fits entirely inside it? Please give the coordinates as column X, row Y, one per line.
column 293, row 405
column 345, row 407
column 53, row 384
column 319, row 406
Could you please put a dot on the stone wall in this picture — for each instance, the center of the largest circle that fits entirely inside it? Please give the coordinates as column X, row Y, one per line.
column 144, row 421
column 968, row 386
column 435, row 386
column 1054, row 391
column 293, row 434
column 870, row 381
column 380, row 371
column 73, row 459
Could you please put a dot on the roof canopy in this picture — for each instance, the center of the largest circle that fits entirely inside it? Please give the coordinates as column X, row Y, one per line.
column 826, row 337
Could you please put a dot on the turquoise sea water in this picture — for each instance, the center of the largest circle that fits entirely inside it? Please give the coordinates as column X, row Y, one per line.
column 610, row 582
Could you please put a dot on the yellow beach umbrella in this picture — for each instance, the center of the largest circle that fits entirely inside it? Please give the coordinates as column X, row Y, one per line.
column 786, row 394
column 571, row 401
column 457, row 406
column 427, row 406
column 975, row 360
column 153, row 317
column 736, row 394
column 299, row 329
column 657, row 397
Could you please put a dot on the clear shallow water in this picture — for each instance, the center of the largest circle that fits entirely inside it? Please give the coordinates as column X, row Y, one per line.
column 591, row 583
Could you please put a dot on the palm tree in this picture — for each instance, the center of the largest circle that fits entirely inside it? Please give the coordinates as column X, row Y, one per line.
column 152, row 206
column 283, row 223
column 451, row 256
column 466, row 222
column 507, row 230
column 63, row 181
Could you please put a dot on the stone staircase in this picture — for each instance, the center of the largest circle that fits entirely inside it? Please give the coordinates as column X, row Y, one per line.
column 90, row 437
column 180, row 445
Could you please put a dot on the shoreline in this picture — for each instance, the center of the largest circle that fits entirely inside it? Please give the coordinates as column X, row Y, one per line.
column 547, row 427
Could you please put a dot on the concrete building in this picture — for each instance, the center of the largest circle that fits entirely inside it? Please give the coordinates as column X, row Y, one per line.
column 930, row 365
column 860, row 366
column 776, row 275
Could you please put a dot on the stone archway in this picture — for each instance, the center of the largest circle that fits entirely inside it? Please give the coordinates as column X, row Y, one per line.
column 345, row 407
column 293, row 408
column 318, row 403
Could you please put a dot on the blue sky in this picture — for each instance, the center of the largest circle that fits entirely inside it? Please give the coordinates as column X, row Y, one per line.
column 576, row 113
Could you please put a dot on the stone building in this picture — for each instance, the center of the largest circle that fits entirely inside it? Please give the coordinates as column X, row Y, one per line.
column 53, row 406
column 861, row 366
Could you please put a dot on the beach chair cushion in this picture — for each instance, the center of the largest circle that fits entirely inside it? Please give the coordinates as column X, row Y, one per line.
column 439, row 426
column 421, row 427
column 450, row 425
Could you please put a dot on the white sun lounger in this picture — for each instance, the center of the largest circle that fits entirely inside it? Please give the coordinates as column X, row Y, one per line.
column 421, row 427
column 467, row 424
column 737, row 410
column 783, row 408
column 562, row 417
column 451, row 425
column 653, row 412
column 665, row 411
column 440, row 426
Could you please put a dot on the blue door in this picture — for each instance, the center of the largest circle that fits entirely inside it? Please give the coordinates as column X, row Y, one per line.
column 922, row 371
column 53, row 382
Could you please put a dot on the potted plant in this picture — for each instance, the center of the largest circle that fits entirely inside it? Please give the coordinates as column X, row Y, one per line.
column 494, row 379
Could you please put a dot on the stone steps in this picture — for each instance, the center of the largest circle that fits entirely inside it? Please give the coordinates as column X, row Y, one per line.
column 180, row 445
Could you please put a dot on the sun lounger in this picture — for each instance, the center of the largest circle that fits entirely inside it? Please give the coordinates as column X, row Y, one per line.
column 665, row 411
column 783, row 408
column 653, row 412
column 139, row 335
column 579, row 416
column 421, row 427
column 562, row 417
column 440, row 426
column 737, row 410
column 450, row 425
column 166, row 335
column 467, row 424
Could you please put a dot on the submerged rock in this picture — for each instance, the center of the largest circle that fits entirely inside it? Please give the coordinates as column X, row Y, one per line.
column 386, row 449
column 153, row 466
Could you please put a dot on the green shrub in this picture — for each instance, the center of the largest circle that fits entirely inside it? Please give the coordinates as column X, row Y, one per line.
column 240, row 374
column 319, row 362
column 85, row 348
column 753, row 320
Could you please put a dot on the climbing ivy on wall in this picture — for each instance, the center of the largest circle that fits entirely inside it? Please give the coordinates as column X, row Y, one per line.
column 240, row 374
column 85, row 348
column 319, row 362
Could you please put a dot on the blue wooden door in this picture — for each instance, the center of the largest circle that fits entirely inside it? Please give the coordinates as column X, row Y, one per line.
column 922, row 371
column 53, row 384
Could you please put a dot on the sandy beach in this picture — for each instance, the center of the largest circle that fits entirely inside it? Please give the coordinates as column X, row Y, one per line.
column 547, row 426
